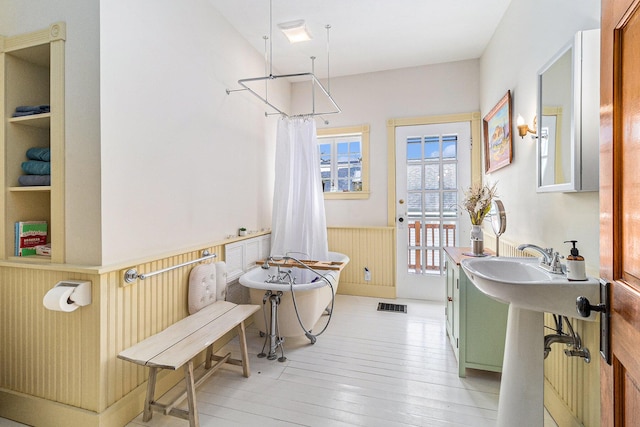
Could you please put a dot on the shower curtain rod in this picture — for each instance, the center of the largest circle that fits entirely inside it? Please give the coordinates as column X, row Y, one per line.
column 314, row 80
column 271, row 76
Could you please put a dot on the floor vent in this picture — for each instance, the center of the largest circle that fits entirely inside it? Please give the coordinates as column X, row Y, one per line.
column 398, row 308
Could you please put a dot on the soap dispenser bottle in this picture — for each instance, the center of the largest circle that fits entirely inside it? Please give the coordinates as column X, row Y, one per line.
column 575, row 264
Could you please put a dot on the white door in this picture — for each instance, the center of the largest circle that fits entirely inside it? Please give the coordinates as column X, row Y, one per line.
column 432, row 170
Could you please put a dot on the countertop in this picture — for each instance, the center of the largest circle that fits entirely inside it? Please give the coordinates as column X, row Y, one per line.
column 457, row 254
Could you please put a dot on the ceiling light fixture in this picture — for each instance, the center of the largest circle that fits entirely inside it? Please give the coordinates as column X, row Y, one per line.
column 263, row 94
column 296, row 31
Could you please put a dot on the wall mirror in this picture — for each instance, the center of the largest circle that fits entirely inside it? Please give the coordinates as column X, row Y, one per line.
column 569, row 117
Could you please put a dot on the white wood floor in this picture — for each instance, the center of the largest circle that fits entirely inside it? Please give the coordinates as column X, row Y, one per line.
column 368, row 369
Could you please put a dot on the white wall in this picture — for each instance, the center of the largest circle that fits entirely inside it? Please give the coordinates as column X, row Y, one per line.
column 82, row 126
column 158, row 156
column 377, row 97
column 530, row 33
column 183, row 163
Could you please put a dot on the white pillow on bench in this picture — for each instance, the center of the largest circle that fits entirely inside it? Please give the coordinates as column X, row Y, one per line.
column 207, row 283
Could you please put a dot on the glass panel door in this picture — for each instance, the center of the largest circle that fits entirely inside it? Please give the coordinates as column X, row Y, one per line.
column 432, row 168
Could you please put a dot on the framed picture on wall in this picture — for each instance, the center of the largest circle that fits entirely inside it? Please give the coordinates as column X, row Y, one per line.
column 498, row 146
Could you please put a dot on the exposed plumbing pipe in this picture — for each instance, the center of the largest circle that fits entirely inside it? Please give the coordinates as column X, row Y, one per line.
column 571, row 339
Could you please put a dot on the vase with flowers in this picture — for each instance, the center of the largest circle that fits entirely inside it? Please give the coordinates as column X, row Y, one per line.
column 477, row 202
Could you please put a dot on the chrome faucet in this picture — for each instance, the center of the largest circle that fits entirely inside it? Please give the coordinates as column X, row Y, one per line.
column 281, row 276
column 266, row 265
column 550, row 260
column 546, row 253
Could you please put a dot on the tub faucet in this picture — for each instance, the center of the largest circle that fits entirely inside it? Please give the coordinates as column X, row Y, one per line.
column 266, row 265
column 550, row 260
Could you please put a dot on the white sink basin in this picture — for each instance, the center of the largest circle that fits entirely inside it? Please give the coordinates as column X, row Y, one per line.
column 522, row 283
column 530, row 291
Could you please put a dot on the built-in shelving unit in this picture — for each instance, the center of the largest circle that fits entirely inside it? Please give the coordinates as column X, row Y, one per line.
column 32, row 73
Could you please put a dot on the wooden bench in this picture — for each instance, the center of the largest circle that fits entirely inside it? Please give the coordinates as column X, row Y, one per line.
column 180, row 343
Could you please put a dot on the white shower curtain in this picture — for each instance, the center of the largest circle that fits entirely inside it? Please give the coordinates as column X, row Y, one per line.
column 299, row 225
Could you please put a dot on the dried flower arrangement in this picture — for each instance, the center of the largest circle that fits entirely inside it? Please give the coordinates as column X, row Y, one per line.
column 477, row 201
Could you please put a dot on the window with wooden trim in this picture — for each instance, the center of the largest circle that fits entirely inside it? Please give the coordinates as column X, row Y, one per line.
column 344, row 162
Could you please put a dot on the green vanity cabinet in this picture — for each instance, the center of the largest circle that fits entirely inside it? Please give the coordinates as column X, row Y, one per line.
column 476, row 324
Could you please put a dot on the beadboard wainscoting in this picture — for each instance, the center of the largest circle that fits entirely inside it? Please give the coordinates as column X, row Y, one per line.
column 371, row 247
column 61, row 369
column 571, row 386
column 46, row 354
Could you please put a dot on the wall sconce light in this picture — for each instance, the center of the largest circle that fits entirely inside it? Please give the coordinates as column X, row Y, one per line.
column 523, row 128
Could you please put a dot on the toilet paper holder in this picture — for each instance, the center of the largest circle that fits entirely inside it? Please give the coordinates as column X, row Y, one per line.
column 81, row 295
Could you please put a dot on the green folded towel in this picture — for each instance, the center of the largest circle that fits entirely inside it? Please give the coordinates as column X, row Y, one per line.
column 34, row 167
column 38, row 153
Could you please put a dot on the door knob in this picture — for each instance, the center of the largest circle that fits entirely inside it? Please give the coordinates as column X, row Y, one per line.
column 584, row 307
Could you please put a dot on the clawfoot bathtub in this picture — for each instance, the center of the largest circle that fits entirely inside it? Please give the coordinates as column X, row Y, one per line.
column 313, row 296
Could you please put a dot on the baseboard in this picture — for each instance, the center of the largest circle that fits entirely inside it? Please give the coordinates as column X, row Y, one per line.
column 131, row 405
column 36, row 411
column 364, row 290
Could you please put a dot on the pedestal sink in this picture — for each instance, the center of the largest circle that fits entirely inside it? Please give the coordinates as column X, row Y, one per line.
column 530, row 291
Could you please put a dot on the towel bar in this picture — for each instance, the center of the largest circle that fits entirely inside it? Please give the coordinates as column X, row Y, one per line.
column 131, row 275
